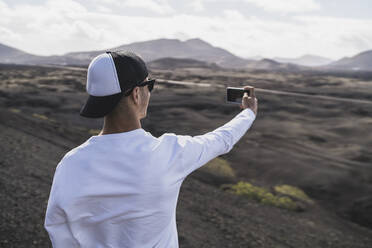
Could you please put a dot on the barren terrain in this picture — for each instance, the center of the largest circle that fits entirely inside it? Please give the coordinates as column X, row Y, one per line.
column 318, row 139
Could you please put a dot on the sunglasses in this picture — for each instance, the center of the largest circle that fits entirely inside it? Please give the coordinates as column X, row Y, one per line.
column 149, row 82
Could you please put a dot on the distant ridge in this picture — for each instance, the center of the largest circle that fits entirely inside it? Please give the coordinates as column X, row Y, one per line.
column 195, row 49
column 172, row 63
column 305, row 60
column 269, row 64
column 361, row 61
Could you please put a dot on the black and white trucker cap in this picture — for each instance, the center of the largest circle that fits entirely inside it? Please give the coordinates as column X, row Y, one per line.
column 109, row 76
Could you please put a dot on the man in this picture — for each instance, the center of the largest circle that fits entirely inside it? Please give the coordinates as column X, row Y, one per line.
column 120, row 188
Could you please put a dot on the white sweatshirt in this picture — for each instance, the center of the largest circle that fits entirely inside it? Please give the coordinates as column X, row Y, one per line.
column 121, row 190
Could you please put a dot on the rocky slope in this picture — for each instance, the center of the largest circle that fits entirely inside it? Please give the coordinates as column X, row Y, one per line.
column 39, row 123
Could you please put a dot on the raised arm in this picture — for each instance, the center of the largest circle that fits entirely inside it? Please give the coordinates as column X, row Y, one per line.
column 198, row 150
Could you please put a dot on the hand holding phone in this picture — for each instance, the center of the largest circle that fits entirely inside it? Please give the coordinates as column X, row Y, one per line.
column 237, row 96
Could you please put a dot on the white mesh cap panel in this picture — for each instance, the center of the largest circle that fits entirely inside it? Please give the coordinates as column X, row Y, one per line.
column 102, row 79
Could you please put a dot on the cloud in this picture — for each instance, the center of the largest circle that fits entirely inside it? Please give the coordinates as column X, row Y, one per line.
column 286, row 6
column 196, row 5
column 49, row 28
column 157, row 6
column 53, row 28
column 348, row 36
column 232, row 14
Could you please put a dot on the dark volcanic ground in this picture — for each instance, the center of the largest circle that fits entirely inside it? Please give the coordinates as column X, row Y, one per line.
column 321, row 146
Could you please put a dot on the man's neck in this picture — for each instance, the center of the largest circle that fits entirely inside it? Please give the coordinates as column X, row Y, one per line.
column 119, row 125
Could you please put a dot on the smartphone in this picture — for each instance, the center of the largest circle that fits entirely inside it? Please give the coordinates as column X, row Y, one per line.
column 235, row 95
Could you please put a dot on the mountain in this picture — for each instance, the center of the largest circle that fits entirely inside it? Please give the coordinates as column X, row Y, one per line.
column 255, row 57
column 165, row 48
column 306, row 60
column 196, row 50
column 172, row 63
column 12, row 55
column 361, row 61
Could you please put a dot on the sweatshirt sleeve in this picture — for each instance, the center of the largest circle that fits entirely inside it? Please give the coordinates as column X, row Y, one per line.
column 198, row 150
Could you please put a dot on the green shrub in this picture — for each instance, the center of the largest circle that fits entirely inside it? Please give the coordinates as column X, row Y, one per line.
column 219, row 167
column 293, row 192
column 261, row 195
column 15, row 110
column 43, row 117
column 94, row 131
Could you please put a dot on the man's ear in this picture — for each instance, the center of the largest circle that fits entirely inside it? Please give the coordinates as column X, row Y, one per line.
column 135, row 95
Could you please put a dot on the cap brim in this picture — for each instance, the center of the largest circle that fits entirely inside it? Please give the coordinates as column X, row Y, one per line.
column 99, row 106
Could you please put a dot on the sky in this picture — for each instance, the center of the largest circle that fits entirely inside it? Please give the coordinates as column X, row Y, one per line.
column 247, row 28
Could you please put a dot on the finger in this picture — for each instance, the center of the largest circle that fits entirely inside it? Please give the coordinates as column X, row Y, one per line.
column 247, row 87
column 245, row 94
column 252, row 93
